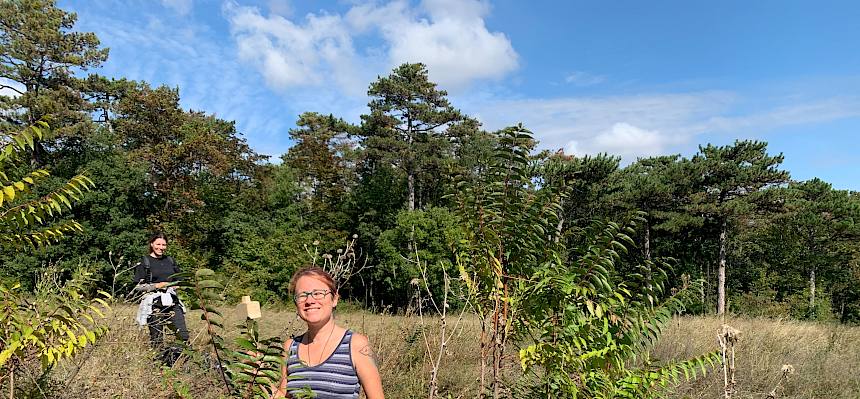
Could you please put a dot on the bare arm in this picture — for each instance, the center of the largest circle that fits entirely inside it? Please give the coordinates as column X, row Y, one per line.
column 365, row 367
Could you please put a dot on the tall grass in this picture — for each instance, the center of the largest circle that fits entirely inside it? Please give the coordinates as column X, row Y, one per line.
column 826, row 358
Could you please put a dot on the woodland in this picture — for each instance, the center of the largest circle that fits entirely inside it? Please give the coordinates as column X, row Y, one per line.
column 417, row 207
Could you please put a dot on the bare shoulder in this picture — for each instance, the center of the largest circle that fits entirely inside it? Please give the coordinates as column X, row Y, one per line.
column 359, row 339
column 361, row 345
column 288, row 343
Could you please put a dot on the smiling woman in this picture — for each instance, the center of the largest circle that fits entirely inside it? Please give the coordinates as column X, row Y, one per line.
column 160, row 306
column 329, row 360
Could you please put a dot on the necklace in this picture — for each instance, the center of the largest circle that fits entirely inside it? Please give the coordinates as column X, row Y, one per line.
column 308, row 346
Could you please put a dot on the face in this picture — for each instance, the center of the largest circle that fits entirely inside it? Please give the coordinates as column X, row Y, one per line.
column 158, row 246
column 313, row 310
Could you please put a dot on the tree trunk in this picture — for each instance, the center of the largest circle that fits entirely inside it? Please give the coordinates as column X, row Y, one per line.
column 558, row 228
column 647, row 241
column 705, row 287
column 410, row 183
column 812, row 293
column 484, row 355
column 410, row 165
column 721, row 277
column 647, row 251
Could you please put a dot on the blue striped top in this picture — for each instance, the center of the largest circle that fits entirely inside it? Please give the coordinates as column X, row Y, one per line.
column 335, row 378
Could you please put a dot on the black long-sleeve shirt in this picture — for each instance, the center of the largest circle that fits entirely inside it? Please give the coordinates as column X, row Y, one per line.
column 161, row 270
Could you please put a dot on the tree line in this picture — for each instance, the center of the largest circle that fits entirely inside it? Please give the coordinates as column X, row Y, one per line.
column 762, row 243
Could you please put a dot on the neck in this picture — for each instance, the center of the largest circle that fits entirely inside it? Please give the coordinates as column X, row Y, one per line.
column 321, row 329
column 152, row 254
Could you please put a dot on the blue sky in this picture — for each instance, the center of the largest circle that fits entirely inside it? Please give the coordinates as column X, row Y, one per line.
column 631, row 78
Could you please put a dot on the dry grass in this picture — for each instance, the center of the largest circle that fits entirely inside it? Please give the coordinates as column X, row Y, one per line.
column 826, row 357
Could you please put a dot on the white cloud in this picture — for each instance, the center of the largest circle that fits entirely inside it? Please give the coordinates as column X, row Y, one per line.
column 646, row 125
column 449, row 36
column 453, row 42
column 207, row 73
column 785, row 115
column 593, row 124
column 582, row 79
column 622, row 139
column 280, row 7
column 287, row 54
column 182, row 7
column 316, row 59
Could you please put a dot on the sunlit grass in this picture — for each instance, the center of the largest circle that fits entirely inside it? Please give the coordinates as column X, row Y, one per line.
column 826, row 357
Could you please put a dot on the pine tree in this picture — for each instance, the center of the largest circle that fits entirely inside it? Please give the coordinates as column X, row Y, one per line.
column 731, row 181
column 406, row 112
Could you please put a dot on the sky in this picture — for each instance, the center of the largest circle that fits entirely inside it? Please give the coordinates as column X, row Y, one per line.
column 630, row 78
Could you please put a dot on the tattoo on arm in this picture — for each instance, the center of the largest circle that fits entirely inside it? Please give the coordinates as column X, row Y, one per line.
column 368, row 351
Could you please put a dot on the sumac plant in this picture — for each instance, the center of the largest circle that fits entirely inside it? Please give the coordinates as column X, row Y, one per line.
column 580, row 328
column 27, row 220
column 57, row 320
column 587, row 329
column 54, row 323
column 249, row 367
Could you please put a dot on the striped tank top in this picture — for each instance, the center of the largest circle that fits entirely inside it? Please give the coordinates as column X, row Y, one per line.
column 335, row 378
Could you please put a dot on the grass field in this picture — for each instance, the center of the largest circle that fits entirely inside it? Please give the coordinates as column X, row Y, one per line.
column 826, row 358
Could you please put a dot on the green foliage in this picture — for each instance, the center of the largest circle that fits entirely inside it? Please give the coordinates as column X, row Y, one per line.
column 319, row 158
column 261, row 256
column 258, row 362
column 508, row 219
column 812, row 238
column 251, row 367
column 406, row 110
column 53, row 324
column 183, row 153
column 589, row 180
column 41, row 56
column 57, row 321
column 430, row 234
column 24, row 220
column 590, row 328
column 509, row 224
column 586, row 327
column 731, row 187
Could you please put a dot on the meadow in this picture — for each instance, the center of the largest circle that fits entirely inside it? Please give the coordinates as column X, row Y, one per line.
column 825, row 358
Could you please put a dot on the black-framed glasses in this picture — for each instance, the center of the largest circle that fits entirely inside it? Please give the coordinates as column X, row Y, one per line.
column 316, row 294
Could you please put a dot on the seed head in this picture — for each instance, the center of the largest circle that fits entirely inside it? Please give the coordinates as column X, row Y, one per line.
column 729, row 334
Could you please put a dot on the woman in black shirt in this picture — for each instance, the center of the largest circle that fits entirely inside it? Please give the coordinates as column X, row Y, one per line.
column 160, row 306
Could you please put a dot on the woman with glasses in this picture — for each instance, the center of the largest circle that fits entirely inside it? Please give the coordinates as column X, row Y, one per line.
column 328, row 360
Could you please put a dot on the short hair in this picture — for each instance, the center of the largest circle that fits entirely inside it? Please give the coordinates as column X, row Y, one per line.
column 315, row 272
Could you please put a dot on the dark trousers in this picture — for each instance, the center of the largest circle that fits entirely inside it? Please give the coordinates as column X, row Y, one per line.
column 174, row 318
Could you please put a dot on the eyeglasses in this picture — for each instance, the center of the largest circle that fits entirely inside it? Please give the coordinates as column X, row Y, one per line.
column 317, row 294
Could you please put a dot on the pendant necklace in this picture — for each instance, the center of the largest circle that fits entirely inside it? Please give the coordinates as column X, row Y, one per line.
column 323, row 348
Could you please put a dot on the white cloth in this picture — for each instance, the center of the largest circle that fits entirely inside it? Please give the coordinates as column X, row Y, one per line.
column 145, row 307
